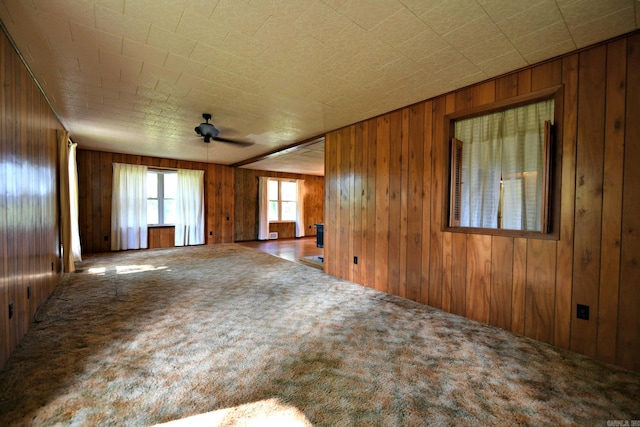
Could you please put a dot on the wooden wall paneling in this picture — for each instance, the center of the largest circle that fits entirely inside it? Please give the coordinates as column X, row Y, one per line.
column 478, row 283
column 458, row 273
column 506, row 87
column 463, row 99
column 479, row 246
column 4, row 205
column 96, row 199
column 95, row 175
column 564, row 273
column 362, row 197
column 382, row 204
column 519, row 285
column 209, row 204
column 106, row 189
column 483, row 93
column 85, row 206
column 245, row 208
column 417, row 224
column 404, row 191
column 285, row 230
column 338, row 248
column 547, row 74
column 228, row 203
column 628, row 343
column 540, row 290
column 28, row 199
column 395, row 199
column 370, row 138
column 589, row 176
column 501, row 282
column 357, row 192
column 330, row 193
column 524, row 81
column 346, row 254
column 432, row 295
column 216, row 195
column 161, row 237
column 607, row 320
column 351, row 202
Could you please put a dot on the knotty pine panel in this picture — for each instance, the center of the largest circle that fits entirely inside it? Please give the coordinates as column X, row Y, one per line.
column 359, row 163
column 588, row 208
column 285, row 230
column 382, row 204
column 344, row 226
column 395, row 200
column 415, row 213
column 431, row 288
column 244, row 199
column 530, row 286
column 331, row 194
column 501, row 282
column 612, row 200
column 29, row 226
column 564, row 272
column 161, row 237
column 371, row 138
column 95, row 180
column 628, row 339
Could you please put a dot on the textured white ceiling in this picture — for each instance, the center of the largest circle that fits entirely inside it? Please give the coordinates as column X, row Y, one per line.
column 134, row 76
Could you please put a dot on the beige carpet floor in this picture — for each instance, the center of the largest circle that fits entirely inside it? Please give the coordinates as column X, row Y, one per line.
column 226, row 335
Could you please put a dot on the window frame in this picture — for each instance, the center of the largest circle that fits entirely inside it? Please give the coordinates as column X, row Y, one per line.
column 553, row 168
column 161, row 198
column 280, row 200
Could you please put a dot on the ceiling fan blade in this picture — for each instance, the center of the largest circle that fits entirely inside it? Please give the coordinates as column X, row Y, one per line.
column 232, row 141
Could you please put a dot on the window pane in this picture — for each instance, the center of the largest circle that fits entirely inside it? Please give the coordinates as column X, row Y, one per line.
column 170, row 211
column 152, row 186
column 170, row 185
column 273, row 190
column 273, row 211
column 288, row 211
column 509, row 147
column 289, row 191
column 152, row 211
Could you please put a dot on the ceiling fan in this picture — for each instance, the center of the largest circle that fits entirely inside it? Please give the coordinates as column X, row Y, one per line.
column 209, row 132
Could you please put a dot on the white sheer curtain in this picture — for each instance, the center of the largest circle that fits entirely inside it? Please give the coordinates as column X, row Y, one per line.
column 76, row 249
column 480, row 176
column 503, row 160
column 523, row 165
column 190, row 208
column 65, row 203
column 300, row 208
column 263, row 208
column 129, row 207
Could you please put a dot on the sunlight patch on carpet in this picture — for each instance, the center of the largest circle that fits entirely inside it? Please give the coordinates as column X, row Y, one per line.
column 129, row 269
column 269, row 412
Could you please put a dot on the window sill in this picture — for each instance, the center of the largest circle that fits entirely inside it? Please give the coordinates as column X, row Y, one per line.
column 161, row 226
column 504, row 233
column 282, row 222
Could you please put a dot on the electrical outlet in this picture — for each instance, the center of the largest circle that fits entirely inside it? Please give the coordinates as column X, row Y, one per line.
column 211, row 233
column 106, row 238
column 10, row 309
column 582, row 312
column 355, row 259
column 227, row 218
column 52, row 268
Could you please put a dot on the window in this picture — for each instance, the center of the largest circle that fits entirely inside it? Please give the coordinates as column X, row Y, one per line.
column 283, row 195
column 161, row 197
column 500, row 171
